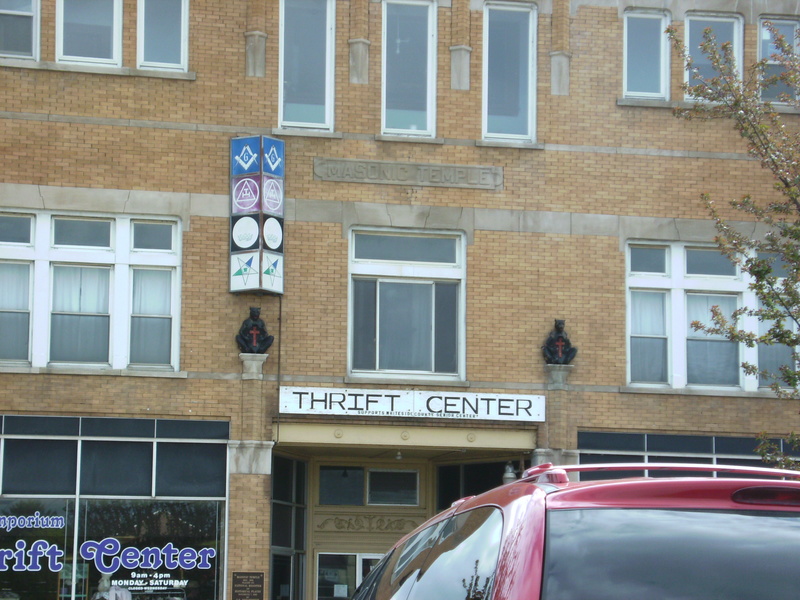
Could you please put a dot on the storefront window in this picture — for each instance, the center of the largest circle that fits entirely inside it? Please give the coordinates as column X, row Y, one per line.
column 37, row 534
column 128, row 542
column 163, row 549
column 287, row 574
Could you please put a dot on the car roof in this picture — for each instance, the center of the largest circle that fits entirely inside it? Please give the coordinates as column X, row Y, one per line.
column 737, row 488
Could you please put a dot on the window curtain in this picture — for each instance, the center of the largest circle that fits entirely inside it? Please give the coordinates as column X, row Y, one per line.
column 151, row 323
column 648, row 351
column 80, row 332
column 80, row 290
column 14, row 286
column 14, row 311
column 711, row 359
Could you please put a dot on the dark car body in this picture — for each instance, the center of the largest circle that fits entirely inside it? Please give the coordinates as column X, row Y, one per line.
column 732, row 533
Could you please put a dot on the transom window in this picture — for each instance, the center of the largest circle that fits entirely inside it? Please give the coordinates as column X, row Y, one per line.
column 409, row 67
column 646, row 54
column 307, row 63
column 356, row 486
column 509, row 74
column 406, row 303
column 88, row 290
column 669, row 288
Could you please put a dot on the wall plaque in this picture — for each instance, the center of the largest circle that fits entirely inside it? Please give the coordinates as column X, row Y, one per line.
column 248, row 586
column 403, row 173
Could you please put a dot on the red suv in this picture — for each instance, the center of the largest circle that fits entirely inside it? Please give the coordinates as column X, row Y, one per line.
column 733, row 533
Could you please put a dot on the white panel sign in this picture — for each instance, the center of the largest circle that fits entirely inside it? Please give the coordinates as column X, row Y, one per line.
column 357, row 402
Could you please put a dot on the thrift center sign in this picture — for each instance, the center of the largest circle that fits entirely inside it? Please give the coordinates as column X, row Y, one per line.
column 411, row 403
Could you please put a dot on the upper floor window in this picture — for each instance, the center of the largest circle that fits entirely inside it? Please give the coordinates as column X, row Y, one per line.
column 86, row 290
column 778, row 91
column 646, row 55
column 406, row 303
column 19, row 28
column 307, row 63
column 89, row 31
column 669, row 288
column 509, row 91
column 727, row 29
column 409, row 67
column 163, row 27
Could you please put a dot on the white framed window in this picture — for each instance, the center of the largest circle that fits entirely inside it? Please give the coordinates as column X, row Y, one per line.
column 19, row 28
column 726, row 29
column 407, row 304
column 163, row 33
column 306, row 78
column 79, row 318
column 409, row 68
column 670, row 286
column 89, row 31
column 766, row 48
column 89, row 290
column 772, row 357
column 509, row 71
column 646, row 55
column 15, row 310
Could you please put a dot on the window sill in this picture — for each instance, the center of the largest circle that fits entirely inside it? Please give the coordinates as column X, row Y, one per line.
column 410, row 138
column 671, row 104
column 406, row 380
column 698, row 391
column 509, row 144
column 647, row 103
column 21, row 63
column 74, row 370
column 300, row 132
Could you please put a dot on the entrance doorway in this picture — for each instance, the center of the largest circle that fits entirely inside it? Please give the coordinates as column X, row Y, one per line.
column 339, row 574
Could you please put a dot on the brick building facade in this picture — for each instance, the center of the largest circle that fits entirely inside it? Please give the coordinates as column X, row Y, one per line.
column 458, row 174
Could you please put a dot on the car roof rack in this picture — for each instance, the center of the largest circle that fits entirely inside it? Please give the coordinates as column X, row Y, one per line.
column 549, row 473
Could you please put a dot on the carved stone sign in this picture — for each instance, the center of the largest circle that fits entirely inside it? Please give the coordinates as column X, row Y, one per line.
column 248, row 586
column 405, row 173
column 369, row 523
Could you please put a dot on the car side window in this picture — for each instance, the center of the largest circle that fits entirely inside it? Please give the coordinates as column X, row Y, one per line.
column 455, row 558
column 396, row 573
column 463, row 561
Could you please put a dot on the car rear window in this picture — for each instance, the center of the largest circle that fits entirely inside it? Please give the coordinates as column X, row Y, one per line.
column 601, row 554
